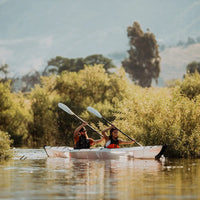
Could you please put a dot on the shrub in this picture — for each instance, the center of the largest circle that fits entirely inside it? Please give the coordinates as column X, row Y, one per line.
column 5, row 142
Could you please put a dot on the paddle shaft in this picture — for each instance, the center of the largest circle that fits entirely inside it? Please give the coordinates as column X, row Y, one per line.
column 68, row 110
column 121, row 131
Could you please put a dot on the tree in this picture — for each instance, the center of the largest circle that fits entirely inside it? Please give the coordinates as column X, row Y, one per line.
column 192, row 67
column 4, row 70
column 5, row 143
column 43, row 129
column 190, row 41
column 30, row 80
column 143, row 63
column 14, row 114
column 59, row 64
column 99, row 59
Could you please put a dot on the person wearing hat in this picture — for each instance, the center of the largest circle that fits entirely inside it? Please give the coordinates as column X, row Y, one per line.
column 112, row 141
column 81, row 139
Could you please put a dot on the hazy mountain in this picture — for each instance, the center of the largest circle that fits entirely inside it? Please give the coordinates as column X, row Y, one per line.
column 34, row 31
column 175, row 59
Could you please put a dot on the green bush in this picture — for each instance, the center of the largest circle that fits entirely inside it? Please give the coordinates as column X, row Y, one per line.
column 190, row 86
column 14, row 114
column 162, row 116
column 5, row 142
column 152, row 116
column 43, row 127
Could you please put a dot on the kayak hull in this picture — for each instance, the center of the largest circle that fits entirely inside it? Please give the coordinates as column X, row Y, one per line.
column 142, row 152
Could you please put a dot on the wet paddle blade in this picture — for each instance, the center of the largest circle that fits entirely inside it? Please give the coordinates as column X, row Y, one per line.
column 93, row 111
column 65, row 108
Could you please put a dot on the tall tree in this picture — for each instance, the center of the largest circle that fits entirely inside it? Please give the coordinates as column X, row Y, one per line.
column 143, row 63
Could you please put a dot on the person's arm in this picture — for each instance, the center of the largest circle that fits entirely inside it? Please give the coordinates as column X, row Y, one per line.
column 98, row 141
column 86, row 135
column 92, row 142
column 104, row 132
column 76, row 132
column 126, row 142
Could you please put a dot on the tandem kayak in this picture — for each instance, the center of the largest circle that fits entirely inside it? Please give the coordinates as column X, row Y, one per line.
column 141, row 152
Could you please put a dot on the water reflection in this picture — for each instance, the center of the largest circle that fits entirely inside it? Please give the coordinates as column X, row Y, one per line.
column 107, row 179
column 58, row 178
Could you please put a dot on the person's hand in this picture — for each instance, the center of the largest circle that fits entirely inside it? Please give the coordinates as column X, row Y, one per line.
column 84, row 124
column 113, row 126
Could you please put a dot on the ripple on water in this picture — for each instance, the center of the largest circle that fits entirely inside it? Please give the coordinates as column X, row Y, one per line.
column 23, row 154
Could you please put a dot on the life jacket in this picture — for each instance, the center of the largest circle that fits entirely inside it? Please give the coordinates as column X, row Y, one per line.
column 112, row 143
column 82, row 143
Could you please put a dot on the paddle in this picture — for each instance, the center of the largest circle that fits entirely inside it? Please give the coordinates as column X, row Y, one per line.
column 68, row 110
column 95, row 112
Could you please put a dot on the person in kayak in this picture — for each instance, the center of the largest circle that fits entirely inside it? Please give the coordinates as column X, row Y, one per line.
column 81, row 139
column 112, row 141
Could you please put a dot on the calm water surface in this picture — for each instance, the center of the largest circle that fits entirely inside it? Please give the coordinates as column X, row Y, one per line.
column 31, row 175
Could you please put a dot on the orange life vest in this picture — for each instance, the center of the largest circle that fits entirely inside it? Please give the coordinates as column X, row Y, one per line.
column 112, row 143
column 110, row 146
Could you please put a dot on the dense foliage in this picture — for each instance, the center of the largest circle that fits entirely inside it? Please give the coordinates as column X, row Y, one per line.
column 163, row 116
column 143, row 63
column 193, row 67
column 59, row 64
column 152, row 116
column 190, row 87
column 14, row 114
column 91, row 86
column 5, row 142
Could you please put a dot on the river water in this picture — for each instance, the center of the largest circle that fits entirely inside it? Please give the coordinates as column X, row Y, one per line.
column 31, row 175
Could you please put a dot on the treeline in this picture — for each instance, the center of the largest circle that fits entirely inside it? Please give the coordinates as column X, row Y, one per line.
column 152, row 116
column 54, row 66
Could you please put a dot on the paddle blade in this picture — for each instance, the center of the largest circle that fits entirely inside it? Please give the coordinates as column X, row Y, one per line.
column 65, row 108
column 93, row 111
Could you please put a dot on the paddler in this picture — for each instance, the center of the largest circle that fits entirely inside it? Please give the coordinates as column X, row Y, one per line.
column 112, row 141
column 81, row 139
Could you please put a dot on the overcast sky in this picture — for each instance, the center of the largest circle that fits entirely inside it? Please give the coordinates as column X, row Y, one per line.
column 34, row 31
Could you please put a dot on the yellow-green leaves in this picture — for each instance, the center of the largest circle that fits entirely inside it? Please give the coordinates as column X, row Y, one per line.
column 5, row 143
column 152, row 116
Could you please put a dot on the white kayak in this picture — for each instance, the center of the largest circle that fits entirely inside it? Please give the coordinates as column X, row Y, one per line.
column 140, row 152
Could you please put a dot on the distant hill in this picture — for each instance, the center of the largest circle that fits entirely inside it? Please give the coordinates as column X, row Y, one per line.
column 174, row 61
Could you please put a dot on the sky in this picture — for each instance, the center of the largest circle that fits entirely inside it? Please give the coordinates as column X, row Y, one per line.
column 35, row 31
